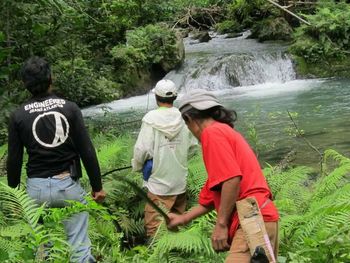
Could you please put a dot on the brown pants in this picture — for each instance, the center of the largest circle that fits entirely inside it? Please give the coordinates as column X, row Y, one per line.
column 239, row 251
column 174, row 203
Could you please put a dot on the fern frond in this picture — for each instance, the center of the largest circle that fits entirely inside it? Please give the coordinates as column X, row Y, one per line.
column 292, row 178
column 197, row 176
column 11, row 245
column 189, row 240
column 330, row 183
column 332, row 154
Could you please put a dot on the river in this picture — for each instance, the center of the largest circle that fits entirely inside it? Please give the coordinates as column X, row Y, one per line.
column 259, row 82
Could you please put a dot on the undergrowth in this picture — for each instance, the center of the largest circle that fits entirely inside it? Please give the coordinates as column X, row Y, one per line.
column 314, row 212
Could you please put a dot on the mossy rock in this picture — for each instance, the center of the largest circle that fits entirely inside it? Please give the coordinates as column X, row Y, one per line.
column 233, row 35
column 272, row 29
column 149, row 54
column 175, row 56
column 228, row 26
column 201, row 36
column 328, row 68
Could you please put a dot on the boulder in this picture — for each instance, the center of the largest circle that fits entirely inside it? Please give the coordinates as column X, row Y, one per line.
column 272, row 29
column 177, row 57
column 202, row 36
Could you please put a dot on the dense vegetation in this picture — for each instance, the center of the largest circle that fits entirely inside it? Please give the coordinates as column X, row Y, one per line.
column 323, row 49
column 104, row 50
column 314, row 211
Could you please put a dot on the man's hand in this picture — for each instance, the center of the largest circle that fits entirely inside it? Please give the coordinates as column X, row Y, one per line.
column 176, row 220
column 219, row 238
column 99, row 196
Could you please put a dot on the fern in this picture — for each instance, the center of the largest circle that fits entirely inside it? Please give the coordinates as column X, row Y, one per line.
column 21, row 209
column 315, row 221
column 197, row 177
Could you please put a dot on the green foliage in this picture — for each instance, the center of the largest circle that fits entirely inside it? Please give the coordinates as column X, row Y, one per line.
column 246, row 12
column 228, row 26
column 78, row 82
column 146, row 49
column 328, row 37
column 313, row 228
column 23, row 236
column 314, row 214
column 157, row 42
column 77, row 38
column 272, row 29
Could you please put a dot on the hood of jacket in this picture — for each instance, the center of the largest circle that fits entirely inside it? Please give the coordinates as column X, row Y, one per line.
column 165, row 120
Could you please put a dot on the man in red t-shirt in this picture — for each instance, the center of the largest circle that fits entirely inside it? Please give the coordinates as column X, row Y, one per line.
column 234, row 174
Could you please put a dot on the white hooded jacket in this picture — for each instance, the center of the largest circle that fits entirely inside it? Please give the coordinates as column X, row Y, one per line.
column 164, row 137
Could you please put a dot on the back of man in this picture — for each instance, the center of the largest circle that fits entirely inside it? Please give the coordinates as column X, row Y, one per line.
column 53, row 132
column 165, row 139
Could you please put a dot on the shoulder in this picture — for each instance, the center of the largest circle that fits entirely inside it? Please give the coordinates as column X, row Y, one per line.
column 19, row 111
column 67, row 103
column 218, row 129
column 149, row 116
column 219, row 133
column 69, row 107
column 14, row 115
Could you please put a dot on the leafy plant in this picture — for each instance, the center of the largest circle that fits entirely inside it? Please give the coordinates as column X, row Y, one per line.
column 314, row 212
column 328, row 37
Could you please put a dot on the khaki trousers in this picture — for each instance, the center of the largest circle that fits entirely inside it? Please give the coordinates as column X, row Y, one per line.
column 239, row 251
column 173, row 203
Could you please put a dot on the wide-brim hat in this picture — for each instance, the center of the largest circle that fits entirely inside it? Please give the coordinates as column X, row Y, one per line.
column 199, row 99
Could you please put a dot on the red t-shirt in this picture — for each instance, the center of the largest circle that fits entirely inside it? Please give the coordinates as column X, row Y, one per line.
column 226, row 155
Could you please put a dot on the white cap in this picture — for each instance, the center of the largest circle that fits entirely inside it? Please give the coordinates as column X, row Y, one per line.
column 165, row 88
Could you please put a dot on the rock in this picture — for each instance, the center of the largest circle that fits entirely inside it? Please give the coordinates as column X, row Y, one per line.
column 272, row 29
column 177, row 57
column 184, row 32
column 233, row 35
column 202, row 36
column 228, row 26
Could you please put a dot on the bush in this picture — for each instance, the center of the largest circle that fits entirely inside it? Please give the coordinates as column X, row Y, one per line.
column 246, row 12
column 228, row 26
column 329, row 35
column 81, row 84
column 149, row 53
column 158, row 44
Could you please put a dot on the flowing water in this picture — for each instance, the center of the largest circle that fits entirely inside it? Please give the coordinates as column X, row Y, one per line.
column 258, row 81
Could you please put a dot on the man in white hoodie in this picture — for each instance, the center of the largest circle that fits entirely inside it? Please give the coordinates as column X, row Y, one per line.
column 164, row 139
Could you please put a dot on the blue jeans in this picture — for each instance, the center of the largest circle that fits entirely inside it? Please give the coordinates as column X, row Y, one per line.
column 54, row 192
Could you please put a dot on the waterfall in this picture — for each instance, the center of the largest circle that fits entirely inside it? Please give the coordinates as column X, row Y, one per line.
column 233, row 70
column 225, row 63
column 241, row 66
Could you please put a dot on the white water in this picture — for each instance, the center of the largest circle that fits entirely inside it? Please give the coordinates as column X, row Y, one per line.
column 246, row 76
column 238, row 66
column 144, row 102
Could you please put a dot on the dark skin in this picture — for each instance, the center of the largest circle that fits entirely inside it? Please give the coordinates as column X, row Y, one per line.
column 229, row 194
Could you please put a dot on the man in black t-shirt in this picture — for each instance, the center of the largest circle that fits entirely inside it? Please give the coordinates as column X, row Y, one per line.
column 52, row 131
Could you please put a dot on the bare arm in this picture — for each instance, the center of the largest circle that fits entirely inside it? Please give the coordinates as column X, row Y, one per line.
column 229, row 194
column 184, row 219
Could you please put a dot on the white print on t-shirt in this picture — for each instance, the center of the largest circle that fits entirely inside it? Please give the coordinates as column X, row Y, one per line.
column 61, row 133
column 45, row 105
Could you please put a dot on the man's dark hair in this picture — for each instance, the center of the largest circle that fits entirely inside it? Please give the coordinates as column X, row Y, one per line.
column 36, row 75
column 169, row 100
column 218, row 113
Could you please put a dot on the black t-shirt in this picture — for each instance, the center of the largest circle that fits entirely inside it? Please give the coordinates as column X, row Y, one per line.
column 52, row 131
